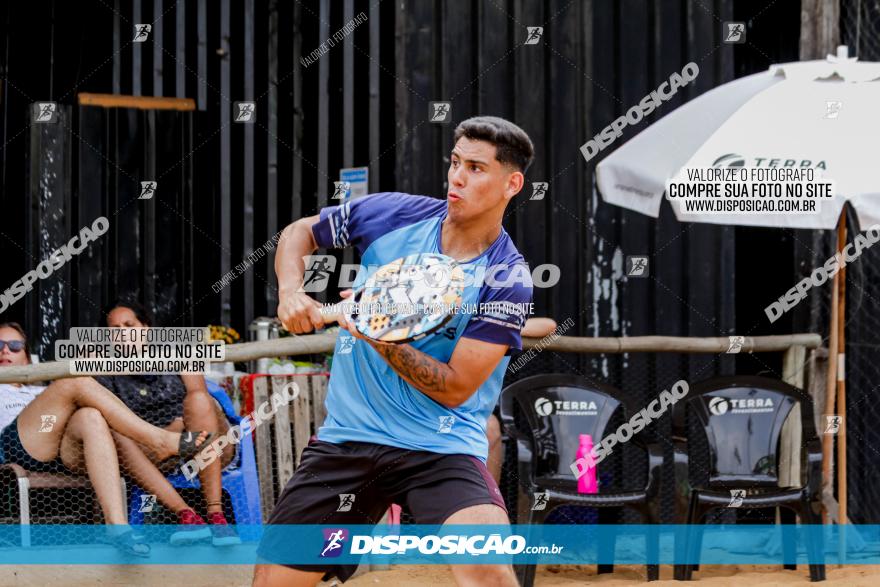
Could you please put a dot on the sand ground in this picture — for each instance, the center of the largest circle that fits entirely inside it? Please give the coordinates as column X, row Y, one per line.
column 419, row 576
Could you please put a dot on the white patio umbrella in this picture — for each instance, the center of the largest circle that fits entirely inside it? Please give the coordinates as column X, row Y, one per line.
column 823, row 114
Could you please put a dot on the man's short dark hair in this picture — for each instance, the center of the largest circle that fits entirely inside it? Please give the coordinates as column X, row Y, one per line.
column 512, row 145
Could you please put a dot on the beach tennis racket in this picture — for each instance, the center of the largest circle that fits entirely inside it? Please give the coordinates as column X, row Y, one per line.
column 404, row 300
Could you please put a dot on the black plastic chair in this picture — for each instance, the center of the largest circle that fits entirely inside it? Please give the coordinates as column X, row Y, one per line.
column 741, row 418
column 547, row 444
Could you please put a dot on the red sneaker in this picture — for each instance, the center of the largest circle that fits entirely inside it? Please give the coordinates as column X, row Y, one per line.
column 222, row 533
column 191, row 528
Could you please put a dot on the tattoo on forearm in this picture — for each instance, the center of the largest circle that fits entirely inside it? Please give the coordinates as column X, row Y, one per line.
column 421, row 370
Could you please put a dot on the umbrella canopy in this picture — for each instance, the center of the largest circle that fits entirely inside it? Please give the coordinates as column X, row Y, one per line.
column 820, row 114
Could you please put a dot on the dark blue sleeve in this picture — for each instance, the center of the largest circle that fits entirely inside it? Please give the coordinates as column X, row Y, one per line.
column 505, row 301
column 359, row 222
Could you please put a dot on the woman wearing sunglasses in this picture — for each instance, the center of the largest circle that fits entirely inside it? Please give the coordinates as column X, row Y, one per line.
column 66, row 427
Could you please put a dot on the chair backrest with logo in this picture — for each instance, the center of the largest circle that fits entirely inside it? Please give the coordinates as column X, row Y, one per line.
column 742, row 419
column 550, row 412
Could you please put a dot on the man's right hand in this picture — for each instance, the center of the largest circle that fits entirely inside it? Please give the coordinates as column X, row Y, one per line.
column 299, row 313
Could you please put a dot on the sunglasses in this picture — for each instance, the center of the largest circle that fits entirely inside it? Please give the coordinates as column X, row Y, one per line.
column 14, row 345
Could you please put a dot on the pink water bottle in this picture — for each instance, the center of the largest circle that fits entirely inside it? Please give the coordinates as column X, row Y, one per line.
column 587, row 482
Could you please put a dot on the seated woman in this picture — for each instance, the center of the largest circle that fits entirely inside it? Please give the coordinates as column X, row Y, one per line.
column 171, row 402
column 67, row 426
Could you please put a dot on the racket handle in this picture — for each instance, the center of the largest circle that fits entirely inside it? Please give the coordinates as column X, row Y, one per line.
column 331, row 313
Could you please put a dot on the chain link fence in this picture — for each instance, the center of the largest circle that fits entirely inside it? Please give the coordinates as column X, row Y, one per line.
column 641, row 375
column 862, row 369
column 860, row 28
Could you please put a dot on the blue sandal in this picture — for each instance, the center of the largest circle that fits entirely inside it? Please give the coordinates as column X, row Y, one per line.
column 127, row 544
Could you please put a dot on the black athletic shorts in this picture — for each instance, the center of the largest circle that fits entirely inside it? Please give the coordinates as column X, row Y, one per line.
column 432, row 486
column 12, row 451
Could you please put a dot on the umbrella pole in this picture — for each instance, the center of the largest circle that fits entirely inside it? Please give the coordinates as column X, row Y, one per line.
column 841, row 392
column 831, row 382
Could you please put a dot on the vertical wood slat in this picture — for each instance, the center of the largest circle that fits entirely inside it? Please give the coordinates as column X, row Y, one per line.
column 318, row 385
column 125, row 252
column 529, row 79
column 636, row 230
column 725, row 57
column 402, row 105
column 791, row 437
column 323, row 109
column 458, row 82
column 348, row 89
column 347, row 104
column 415, row 52
column 202, row 54
column 564, row 160
column 149, row 209
column 117, row 44
column 4, row 98
column 180, row 50
column 49, row 176
column 724, row 64
column 585, row 187
column 820, row 30
column 492, row 43
column 263, row 447
column 158, row 41
column 438, row 89
column 285, row 451
column 703, row 240
column 296, row 210
column 817, row 368
column 323, row 117
column 375, row 151
column 270, row 289
column 300, row 414
column 136, row 50
column 605, row 219
column 189, row 300
column 666, row 266
column 494, row 63
column 90, row 265
column 247, row 216
column 225, row 161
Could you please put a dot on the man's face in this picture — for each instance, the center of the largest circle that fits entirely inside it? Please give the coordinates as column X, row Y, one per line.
column 477, row 181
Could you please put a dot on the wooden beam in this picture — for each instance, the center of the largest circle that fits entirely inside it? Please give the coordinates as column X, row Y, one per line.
column 248, row 351
column 324, row 343
column 672, row 344
column 139, row 102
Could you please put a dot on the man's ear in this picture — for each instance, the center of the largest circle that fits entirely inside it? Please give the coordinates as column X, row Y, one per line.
column 515, row 183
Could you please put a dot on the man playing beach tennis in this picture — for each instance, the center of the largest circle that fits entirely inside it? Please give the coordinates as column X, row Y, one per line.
column 406, row 423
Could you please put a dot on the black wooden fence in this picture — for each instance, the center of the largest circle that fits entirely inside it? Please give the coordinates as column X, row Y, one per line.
column 230, row 187
column 225, row 188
